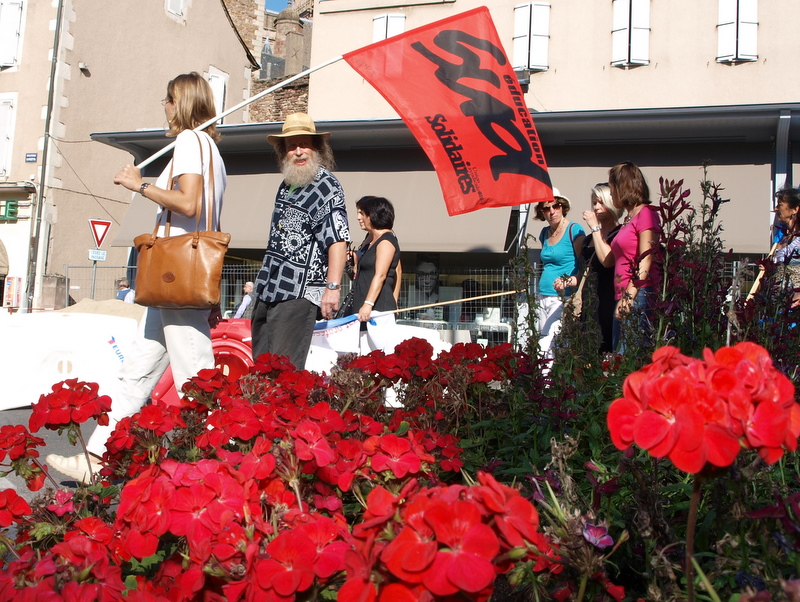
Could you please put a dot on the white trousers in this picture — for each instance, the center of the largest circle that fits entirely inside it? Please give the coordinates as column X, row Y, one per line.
column 548, row 322
column 177, row 337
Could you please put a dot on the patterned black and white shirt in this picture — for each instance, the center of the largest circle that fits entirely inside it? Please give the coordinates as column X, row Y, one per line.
column 305, row 223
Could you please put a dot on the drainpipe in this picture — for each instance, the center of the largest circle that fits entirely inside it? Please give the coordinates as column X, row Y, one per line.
column 35, row 264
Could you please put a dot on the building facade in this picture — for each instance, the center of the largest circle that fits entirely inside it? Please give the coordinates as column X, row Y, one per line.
column 68, row 70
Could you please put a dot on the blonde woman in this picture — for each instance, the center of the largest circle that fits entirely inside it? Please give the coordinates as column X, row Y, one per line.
column 180, row 338
column 603, row 217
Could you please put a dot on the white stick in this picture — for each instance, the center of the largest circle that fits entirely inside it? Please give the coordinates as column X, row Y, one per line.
column 244, row 103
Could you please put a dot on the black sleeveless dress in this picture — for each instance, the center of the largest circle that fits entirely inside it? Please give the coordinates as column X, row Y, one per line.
column 366, row 271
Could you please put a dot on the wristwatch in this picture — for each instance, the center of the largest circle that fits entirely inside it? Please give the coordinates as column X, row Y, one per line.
column 596, row 229
column 142, row 187
column 333, row 286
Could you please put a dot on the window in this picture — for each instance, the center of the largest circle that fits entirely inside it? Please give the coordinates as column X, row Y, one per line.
column 386, row 26
column 630, row 33
column 10, row 30
column 529, row 46
column 737, row 31
column 175, row 7
column 6, row 129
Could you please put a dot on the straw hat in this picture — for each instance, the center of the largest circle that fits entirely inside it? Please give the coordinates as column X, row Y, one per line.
column 297, row 124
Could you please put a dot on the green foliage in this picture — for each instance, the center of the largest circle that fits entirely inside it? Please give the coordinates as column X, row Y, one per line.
column 553, row 434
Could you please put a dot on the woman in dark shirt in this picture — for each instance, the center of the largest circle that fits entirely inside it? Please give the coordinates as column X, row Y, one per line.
column 605, row 217
column 377, row 259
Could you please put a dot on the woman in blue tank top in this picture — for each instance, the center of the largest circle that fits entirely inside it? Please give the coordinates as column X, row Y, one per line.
column 561, row 247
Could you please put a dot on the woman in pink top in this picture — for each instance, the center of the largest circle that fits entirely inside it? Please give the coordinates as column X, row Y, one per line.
column 636, row 275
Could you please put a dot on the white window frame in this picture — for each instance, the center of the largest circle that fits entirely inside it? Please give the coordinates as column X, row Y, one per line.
column 10, row 32
column 386, row 26
column 218, row 80
column 175, row 7
column 531, row 39
column 737, row 31
column 7, row 109
column 630, row 33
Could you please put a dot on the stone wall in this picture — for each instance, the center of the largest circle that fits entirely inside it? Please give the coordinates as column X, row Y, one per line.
column 292, row 98
column 248, row 16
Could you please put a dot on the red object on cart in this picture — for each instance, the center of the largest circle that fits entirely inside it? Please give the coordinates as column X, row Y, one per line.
column 231, row 341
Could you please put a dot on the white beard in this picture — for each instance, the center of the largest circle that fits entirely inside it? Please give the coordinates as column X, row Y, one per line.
column 300, row 175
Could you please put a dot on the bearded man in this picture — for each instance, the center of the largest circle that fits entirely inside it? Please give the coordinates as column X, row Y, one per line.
column 305, row 257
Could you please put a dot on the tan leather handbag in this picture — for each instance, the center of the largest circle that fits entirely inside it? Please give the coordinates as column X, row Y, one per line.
column 184, row 271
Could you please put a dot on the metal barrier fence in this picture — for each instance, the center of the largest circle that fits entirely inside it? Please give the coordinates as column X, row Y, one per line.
column 101, row 283
column 98, row 283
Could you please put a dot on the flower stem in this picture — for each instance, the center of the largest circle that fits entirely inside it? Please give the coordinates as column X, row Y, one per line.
column 9, row 546
column 88, row 459
column 690, row 526
column 582, row 591
column 46, row 473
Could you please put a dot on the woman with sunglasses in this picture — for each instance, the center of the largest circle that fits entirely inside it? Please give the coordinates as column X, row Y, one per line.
column 561, row 248
column 636, row 274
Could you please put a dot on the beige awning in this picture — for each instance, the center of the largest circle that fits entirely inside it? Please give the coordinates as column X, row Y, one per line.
column 3, row 260
column 421, row 221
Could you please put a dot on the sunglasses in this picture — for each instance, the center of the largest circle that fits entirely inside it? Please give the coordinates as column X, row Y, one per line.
column 553, row 206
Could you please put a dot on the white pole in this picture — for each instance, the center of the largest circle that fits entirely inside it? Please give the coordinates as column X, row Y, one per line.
column 244, row 103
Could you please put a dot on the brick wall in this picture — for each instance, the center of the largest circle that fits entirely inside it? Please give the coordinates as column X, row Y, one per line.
column 248, row 16
column 292, row 98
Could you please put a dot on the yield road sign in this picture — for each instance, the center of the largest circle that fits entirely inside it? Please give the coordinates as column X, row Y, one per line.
column 99, row 228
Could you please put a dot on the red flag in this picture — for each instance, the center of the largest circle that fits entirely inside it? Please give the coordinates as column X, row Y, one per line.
column 455, row 89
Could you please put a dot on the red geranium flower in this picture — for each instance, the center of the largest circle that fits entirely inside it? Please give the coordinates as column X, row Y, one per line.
column 471, row 546
column 12, row 507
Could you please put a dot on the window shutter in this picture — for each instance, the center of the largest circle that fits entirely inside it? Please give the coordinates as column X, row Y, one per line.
column 520, row 42
column 10, row 22
column 640, row 33
column 395, row 24
column 726, row 30
column 748, row 30
column 540, row 37
column 218, row 84
column 175, row 7
column 620, row 39
column 379, row 28
column 6, row 115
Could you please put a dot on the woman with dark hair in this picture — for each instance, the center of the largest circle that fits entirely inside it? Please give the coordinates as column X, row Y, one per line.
column 180, row 338
column 636, row 275
column 603, row 217
column 787, row 250
column 377, row 281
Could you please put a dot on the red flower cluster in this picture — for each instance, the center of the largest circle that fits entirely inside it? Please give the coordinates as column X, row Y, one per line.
column 704, row 411
column 18, row 453
column 70, row 403
column 242, row 493
column 450, row 541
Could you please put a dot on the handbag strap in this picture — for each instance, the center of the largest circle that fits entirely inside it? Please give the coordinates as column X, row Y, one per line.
column 200, row 205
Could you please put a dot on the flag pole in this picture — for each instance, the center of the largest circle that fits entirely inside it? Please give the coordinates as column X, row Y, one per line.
column 465, row 299
column 244, row 103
